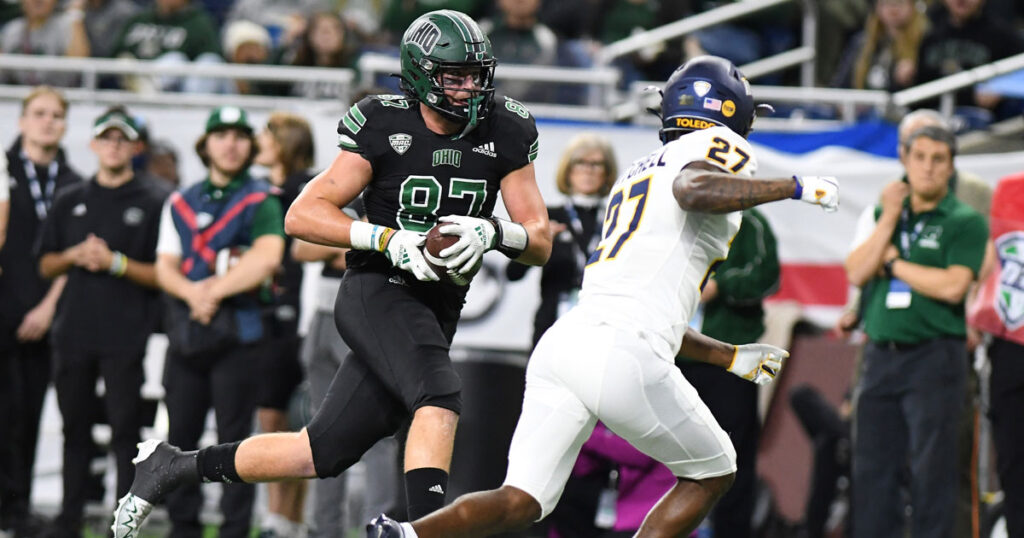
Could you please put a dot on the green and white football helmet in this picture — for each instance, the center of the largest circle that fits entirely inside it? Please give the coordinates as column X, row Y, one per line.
column 448, row 41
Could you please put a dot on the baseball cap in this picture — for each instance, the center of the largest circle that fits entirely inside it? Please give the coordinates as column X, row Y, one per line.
column 228, row 117
column 116, row 119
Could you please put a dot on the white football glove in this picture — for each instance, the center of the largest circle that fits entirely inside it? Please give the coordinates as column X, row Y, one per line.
column 818, row 190
column 476, row 236
column 403, row 250
column 759, row 363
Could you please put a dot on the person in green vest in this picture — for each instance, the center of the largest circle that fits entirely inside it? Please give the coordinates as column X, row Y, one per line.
column 920, row 256
column 732, row 304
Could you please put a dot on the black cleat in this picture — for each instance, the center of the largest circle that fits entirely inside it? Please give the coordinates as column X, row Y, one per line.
column 384, row 527
column 154, row 478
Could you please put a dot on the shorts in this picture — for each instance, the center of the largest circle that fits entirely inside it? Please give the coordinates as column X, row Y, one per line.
column 280, row 372
column 583, row 371
column 399, row 362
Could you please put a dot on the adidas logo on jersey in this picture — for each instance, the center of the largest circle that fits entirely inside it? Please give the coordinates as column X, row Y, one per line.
column 486, row 149
column 436, row 488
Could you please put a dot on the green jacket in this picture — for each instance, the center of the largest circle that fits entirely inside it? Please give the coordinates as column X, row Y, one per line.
column 744, row 279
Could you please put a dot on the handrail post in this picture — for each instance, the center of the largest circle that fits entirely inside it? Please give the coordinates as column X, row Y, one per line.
column 809, row 30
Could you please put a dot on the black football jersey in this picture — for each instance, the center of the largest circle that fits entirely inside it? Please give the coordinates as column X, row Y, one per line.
column 419, row 175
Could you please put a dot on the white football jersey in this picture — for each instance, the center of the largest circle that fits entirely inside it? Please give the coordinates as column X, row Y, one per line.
column 654, row 257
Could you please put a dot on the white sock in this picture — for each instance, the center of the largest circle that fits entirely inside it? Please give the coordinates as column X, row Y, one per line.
column 281, row 525
column 408, row 530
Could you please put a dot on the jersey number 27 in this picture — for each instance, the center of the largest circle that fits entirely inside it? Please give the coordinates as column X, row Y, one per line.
column 610, row 246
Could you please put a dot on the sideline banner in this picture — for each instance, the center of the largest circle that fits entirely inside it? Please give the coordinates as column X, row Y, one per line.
column 999, row 306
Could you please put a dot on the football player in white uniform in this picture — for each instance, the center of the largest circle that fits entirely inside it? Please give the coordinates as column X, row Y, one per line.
column 670, row 219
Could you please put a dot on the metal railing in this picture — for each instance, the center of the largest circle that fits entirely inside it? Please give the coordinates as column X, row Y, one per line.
column 802, row 56
column 946, row 87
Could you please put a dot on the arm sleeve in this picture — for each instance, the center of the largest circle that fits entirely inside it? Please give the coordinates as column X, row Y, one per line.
column 269, row 219
column 168, row 241
column 968, row 246
column 751, row 272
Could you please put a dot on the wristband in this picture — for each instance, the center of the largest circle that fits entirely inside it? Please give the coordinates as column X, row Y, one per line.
column 887, row 268
column 799, row 193
column 510, row 238
column 118, row 264
column 366, row 236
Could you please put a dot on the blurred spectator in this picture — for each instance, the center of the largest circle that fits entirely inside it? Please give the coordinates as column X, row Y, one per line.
column 326, row 42
column 277, row 16
column 518, row 37
column 732, row 301
column 828, row 429
column 571, row 19
column 744, row 40
column 103, row 22
column 838, row 20
column 9, row 10
column 585, row 174
column 43, row 31
column 620, row 19
column 220, row 239
column 612, row 487
column 246, row 42
column 286, row 150
column 399, row 14
column 102, row 235
column 962, row 36
column 883, row 56
column 38, row 172
column 171, row 32
column 924, row 250
column 162, row 162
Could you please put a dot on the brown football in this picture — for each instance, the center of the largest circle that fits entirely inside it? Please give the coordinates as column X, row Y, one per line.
column 435, row 243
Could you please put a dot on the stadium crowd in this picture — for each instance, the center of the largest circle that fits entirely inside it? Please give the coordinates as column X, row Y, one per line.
column 865, row 44
column 68, row 244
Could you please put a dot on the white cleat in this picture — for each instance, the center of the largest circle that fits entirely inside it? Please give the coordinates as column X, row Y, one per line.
column 155, row 476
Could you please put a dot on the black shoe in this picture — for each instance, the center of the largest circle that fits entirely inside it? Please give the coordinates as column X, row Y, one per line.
column 155, row 476
column 384, row 527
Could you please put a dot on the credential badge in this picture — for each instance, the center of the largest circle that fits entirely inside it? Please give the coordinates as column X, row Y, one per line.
column 400, row 142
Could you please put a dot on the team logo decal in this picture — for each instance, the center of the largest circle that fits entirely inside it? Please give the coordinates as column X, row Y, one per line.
column 133, row 216
column 728, row 108
column 930, row 237
column 702, row 87
column 400, row 142
column 447, row 157
column 1010, row 294
column 425, row 36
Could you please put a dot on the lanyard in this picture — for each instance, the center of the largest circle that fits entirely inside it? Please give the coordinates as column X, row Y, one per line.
column 907, row 239
column 42, row 199
column 576, row 225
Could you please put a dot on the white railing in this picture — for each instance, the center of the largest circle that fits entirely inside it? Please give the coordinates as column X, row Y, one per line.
column 946, row 87
column 803, row 56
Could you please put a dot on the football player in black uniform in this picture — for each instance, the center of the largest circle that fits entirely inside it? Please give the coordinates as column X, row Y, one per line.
column 441, row 153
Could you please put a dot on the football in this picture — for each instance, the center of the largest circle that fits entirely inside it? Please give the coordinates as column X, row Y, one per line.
column 435, row 243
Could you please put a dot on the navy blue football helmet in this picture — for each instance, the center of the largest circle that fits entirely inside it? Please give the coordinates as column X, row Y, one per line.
column 706, row 91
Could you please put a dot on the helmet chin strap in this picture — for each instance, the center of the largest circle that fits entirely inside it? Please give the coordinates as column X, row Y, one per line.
column 474, row 106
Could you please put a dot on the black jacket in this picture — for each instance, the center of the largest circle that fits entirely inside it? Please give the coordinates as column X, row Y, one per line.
column 21, row 287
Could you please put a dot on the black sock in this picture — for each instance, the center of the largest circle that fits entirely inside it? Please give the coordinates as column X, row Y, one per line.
column 425, row 489
column 217, row 463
